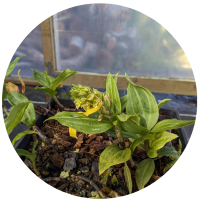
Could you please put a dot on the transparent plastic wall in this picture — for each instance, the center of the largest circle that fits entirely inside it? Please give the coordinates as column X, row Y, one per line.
column 102, row 38
column 31, row 46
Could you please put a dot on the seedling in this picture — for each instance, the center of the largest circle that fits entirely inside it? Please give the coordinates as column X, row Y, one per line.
column 32, row 156
column 104, row 113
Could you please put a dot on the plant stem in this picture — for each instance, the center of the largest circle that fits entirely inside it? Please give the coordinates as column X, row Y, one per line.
column 35, row 169
column 58, row 103
column 118, row 132
column 42, row 136
column 93, row 185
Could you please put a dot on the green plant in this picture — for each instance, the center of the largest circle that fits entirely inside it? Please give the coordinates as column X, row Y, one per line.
column 23, row 110
column 104, row 113
column 32, row 156
column 50, row 85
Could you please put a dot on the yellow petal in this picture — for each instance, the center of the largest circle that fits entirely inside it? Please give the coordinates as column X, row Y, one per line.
column 72, row 132
column 92, row 110
column 22, row 82
column 11, row 87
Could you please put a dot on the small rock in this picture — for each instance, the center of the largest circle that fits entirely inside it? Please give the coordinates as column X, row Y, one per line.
column 83, row 193
column 66, row 155
column 70, row 164
column 75, row 155
column 95, row 166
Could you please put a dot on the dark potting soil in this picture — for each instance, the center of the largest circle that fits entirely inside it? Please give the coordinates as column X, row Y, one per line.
column 80, row 157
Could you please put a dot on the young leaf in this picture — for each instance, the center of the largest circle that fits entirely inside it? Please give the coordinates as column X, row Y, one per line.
column 141, row 102
column 168, row 151
column 20, row 135
column 29, row 117
column 162, row 102
column 127, row 175
column 112, row 91
column 42, row 78
column 124, row 117
column 114, row 180
column 105, row 177
column 139, row 140
column 134, row 128
column 112, row 155
column 23, row 152
column 169, row 124
column 144, row 172
column 124, row 101
column 180, row 148
column 115, row 78
column 48, row 91
column 34, row 146
column 81, row 122
column 61, row 78
column 15, row 116
column 12, row 66
column 5, row 93
column 139, row 145
column 160, row 139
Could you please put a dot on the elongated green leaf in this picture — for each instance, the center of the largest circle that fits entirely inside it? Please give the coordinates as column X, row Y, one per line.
column 126, row 135
column 115, row 78
column 48, row 91
column 168, row 151
column 112, row 91
column 20, row 135
column 180, row 148
column 42, row 78
column 144, row 172
column 124, row 101
column 160, row 139
column 134, row 128
column 162, row 102
column 139, row 145
column 29, row 117
column 112, row 155
column 23, row 152
column 81, row 122
column 12, row 66
column 114, row 181
column 169, row 124
column 5, row 93
column 124, row 117
column 141, row 102
column 127, row 175
column 139, row 140
column 61, row 78
column 34, row 146
column 15, row 116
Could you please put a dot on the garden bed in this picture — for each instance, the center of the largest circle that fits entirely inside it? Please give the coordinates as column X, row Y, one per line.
column 80, row 157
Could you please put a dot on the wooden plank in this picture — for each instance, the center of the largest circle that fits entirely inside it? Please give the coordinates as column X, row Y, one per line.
column 156, row 85
column 48, row 42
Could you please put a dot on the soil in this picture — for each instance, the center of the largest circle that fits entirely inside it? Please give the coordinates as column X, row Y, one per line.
column 80, row 157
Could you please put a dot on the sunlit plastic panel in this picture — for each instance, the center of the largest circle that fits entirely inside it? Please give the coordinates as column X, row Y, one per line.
column 31, row 46
column 102, row 38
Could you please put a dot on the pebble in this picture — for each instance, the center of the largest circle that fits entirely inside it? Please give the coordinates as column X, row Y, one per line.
column 95, row 166
column 66, row 155
column 70, row 164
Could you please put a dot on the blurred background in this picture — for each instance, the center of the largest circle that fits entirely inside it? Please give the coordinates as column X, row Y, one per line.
column 102, row 38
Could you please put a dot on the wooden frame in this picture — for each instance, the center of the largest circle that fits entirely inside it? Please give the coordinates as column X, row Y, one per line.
column 156, row 85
